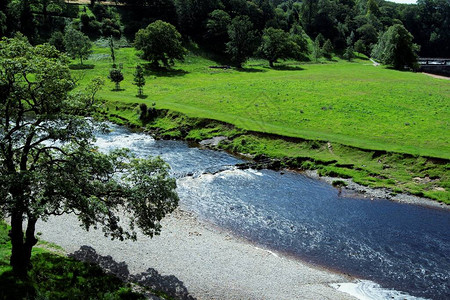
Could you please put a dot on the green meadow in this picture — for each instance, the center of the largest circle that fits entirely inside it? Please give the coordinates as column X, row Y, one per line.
column 354, row 104
column 381, row 127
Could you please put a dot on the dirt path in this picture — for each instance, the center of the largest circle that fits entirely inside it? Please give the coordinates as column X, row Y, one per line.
column 436, row 76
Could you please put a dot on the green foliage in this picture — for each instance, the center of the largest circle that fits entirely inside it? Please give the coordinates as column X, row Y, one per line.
column 217, row 23
column 139, row 79
column 3, row 27
column 360, row 47
column 277, row 44
column 160, row 42
column 49, row 164
column 372, row 8
column 116, row 76
column 395, row 47
column 339, row 183
column 349, row 53
column 368, row 37
column 57, row 40
column 300, row 38
column 77, row 44
column 317, row 51
column 327, row 49
column 217, row 29
column 242, row 42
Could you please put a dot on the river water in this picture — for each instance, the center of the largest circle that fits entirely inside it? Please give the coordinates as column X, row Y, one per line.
column 399, row 246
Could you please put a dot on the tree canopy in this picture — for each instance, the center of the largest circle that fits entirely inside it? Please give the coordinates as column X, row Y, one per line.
column 203, row 21
column 160, row 42
column 395, row 47
column 116, row 76
column 242, row 42
column 277, row 44
column 49, row 165
column 77, row 44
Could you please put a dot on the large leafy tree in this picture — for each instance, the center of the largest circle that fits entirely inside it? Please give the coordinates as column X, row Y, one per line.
column 49, row 166
column 77, row 44
column 277, row 44
column 395, row 47
column 242, row 42
column 160, row 42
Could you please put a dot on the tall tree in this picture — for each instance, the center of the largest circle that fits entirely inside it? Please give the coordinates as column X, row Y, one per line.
column 242, row 42
column 49, row 165
column 139, row 79
column 160, row 42
column 77, row 44
column 395, row 47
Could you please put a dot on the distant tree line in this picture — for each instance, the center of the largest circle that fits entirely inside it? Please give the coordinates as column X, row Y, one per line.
column 301, row 28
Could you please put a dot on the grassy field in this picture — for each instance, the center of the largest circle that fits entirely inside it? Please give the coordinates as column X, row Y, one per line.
column 354, row 104
column 345, row 111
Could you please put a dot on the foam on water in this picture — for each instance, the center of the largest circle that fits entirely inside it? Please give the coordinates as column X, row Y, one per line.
column 369, row 290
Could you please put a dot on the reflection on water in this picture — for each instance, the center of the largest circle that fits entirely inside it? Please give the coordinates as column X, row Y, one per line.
column 400, row 246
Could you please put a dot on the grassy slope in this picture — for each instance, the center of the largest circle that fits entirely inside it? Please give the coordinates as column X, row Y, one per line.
column 354, row 104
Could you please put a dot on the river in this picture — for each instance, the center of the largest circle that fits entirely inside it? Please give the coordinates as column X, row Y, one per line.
column 399, row 246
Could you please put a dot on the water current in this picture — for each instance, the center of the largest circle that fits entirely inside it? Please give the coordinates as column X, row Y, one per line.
column 399, row 246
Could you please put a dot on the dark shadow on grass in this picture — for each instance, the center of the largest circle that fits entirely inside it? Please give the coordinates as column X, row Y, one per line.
column 169, row 284
column 142, row 96
column 287, row 68
column 250, row 70
column 151, row 70
column 13, row 288
column 81, row 67
column 58, row 277
column 117, row 90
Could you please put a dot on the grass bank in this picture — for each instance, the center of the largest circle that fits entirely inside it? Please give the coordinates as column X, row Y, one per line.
column 381, row 127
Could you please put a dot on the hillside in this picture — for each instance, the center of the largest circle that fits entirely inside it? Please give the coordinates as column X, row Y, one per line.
column 354, row 104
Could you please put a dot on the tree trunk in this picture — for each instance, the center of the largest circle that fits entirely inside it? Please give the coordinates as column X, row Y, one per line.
column 30, row 241
column 17, row 260
column 21, row 249
column 271, row 63
column 117, row 86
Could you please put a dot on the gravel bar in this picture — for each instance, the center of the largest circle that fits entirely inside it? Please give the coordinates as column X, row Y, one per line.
column 194, row 260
